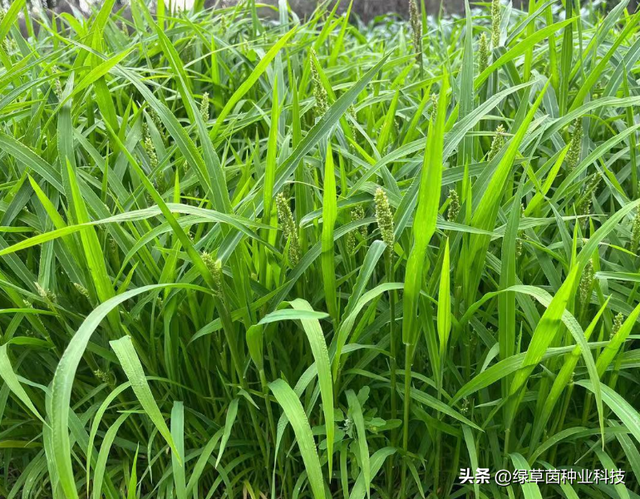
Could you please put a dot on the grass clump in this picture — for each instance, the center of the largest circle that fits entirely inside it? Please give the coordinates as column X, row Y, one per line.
column 311, row 258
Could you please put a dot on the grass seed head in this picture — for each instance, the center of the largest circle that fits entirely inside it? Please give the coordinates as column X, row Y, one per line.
column 150, row 149
column 617, row 323
column 575, row 147
column 104, row 376
column 434, row 106
column 289, row 228
column 635, row 233
column 384, row 217
column 57, row 89
column 81, row 289
column 215, row 269
column 10, row 45
column 416, row 29
column 520, row 244
column 357, row 213
column 496, row 19
column 47, row 294
column 497, row 143
column 454, row 206
column 204, row 107
column 319, row 92
column 584, row 204
column 483, row 53
column 586, row 283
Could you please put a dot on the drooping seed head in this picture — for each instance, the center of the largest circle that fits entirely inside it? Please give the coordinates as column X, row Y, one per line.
column 47, row 294
column 384, row 217
column 81, row 289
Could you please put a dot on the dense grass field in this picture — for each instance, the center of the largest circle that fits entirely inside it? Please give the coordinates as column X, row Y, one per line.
column 266, row 257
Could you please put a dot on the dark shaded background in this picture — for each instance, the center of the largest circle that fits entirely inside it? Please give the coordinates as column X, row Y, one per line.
column 366, row 9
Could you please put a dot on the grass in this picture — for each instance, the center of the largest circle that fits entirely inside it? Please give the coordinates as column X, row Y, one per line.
column 280, row 258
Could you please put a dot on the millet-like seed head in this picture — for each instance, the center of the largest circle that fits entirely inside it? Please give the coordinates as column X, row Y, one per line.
column 617, row 323
column 384, row 217
column 204, row 107
column 454, row 206
column 496, row 19
column 483, row 53
column 497, row 143
column 586, row 284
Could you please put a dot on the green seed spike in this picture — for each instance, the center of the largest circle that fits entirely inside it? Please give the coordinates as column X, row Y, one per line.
column 384, row 217
column 357, row 213
column 204, row 107
column 635, row 233
column 434, row 106
column 289, row 228
column 584, row 205
column 575, row 147
column 483, row 53
column 454, row 206
column 586, row 284
column 58, row 89
column 520, row 244
column 45, row 293
column 320, row 94
column 497, row 143
column 617, row 323
column 215, row 268
column 496, row 18
column 156, row 119
column 521, row 235
column 416, row 28
column 81, row 289
column 150, row 149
